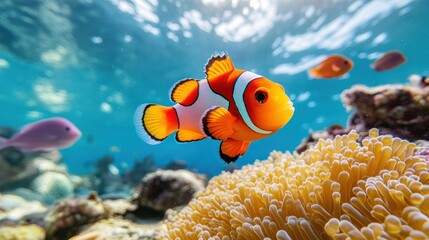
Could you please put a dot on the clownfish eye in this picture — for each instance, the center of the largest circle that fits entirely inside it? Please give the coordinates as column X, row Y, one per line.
column 261, row 96
column 346, row 62
column 67, row 129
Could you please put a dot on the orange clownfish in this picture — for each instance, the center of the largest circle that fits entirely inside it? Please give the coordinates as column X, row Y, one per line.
column 231, row 105
column 332, row 67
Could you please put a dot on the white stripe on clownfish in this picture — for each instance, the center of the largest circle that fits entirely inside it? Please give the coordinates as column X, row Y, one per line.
column 240, row 86
column 190, row 116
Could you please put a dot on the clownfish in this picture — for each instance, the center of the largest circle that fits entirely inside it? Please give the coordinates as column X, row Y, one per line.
column 332, row 67
column 231, row 105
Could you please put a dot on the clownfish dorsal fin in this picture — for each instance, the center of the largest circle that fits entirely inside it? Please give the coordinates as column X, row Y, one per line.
column 185, row 92
column 218, row 122
column 218, row 65
column 231, row 149
column 188, row 136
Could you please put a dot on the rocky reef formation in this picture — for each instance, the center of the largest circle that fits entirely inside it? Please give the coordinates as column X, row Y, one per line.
column 399, row 110
column 118, row 229
column 39, row 175
column 69, row 215
column 166, row 189
column 402, row 111
column 23, row 232
column 339, row 189
column 35, row 175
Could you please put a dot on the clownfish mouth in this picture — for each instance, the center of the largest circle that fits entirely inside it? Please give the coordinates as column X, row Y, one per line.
column 289, row 107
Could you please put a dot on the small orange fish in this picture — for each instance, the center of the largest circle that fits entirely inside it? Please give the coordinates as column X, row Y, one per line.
column 332, row 67
column 388, row 61
column 231, row 105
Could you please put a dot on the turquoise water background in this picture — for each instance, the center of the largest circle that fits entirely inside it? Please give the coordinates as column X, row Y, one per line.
column 94, row 61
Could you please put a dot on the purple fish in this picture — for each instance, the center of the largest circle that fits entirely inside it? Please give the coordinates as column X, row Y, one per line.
column 388, row 61
column 44, row 135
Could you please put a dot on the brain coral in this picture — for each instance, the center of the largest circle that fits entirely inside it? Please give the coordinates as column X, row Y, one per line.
column 52, row 185
column 338, row 189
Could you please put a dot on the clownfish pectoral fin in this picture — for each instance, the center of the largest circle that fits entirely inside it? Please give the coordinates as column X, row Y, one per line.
column 155, row 122
column 218, row 122
column 188, row 136
column 218, row 65
column 185, row 92
column 231, row 149
column 335, row 67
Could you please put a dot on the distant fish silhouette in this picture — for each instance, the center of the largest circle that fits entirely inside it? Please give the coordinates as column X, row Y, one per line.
column 44, row 135
column 332, row 67
column 388, row 61
column 90, row 138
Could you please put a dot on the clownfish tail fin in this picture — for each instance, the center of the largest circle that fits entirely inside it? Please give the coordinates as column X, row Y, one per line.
column 313, row 73
column 154, row 122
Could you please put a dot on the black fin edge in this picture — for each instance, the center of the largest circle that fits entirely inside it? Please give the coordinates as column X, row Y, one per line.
column 226, row 158
column 144, row 126
column 180, row 83
column 215, row 57
column 177, row 139
column 204, row 120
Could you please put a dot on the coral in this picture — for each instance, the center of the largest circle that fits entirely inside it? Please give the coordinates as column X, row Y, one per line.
column 176, row 165
column 52, row 185
column 10, row 201
column 402, row 111
column 24, row 232
column 140, row 169
column 69, row 215
column 166, row 189
column 119, row 206
column 117, row 229
column 337, row 189
column 17, row 210
column 107, row 176
column 19, row 168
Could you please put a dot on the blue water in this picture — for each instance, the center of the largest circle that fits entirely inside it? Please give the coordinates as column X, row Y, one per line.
column 95, row 61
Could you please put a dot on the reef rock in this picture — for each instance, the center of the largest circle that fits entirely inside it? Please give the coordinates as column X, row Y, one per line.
column 19, row 168
column 69, row 215
column 24, row 232
column 16, row 208
column 118, row 229
column 402, row 111
column 166, row 189
column 140, row 169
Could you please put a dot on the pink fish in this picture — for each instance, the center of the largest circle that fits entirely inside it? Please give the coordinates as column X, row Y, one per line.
column 44, row 135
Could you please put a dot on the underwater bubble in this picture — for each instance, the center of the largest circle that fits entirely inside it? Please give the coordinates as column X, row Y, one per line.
column 4, row 63
column 105, row 107
column 97, row 40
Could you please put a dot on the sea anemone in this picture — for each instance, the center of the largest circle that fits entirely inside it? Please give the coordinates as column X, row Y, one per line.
column 336, row 189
